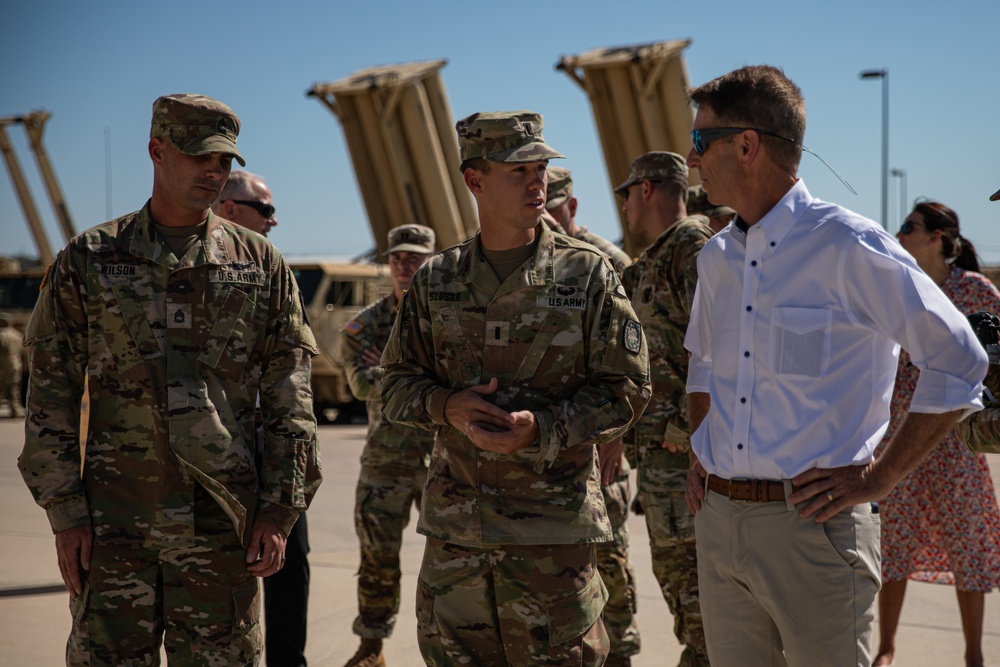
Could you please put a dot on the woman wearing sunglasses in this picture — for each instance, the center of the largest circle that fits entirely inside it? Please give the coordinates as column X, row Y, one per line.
column 941, row 524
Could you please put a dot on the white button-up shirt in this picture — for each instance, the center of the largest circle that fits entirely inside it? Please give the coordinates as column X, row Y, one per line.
column 795, row 335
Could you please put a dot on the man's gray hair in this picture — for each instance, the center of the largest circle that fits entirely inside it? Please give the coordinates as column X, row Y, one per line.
column 239, row 186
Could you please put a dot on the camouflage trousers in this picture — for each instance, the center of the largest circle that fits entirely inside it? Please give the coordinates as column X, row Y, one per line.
column 662, row 482
column 510, row 605
column 382, row 505
column 200, row 602
column 612, row 563
column 10, row 393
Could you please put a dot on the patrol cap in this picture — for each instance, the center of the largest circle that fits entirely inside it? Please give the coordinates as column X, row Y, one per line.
column 655, row 166
column 196, row 125
column 504, row 136
column 411, row 238
column 698, row 203
column 559, row 188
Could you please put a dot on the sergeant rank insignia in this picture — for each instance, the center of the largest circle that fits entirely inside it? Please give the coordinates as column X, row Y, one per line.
column 633, row 336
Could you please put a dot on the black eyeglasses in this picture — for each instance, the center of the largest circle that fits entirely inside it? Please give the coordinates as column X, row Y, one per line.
column 266, row 210
column 702, row 138
column 909, row 225
column 624, row 193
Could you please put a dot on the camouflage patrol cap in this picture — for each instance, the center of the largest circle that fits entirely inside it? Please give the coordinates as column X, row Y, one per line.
column 698, row 203
column 196, row 125
column 655, row 166
column 560, row 186
column 504, row 136
column 411, row 238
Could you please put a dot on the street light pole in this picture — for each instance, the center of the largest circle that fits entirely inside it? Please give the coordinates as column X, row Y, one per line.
column 903, row 206
column 884, row 75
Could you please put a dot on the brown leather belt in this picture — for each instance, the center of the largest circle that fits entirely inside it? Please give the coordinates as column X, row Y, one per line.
column 750, row 490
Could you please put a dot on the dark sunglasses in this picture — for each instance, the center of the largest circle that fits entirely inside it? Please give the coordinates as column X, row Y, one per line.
column 625, row 192
column 702, row 138
column 908, row 226
column 266, row 210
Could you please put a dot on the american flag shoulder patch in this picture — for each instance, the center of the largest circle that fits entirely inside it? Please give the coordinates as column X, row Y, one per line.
column 353, row 327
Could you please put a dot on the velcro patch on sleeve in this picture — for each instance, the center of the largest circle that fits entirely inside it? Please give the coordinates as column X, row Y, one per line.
column 633, row 336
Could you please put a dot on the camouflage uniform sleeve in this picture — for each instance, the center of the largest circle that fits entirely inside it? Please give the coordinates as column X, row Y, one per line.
column 291, row 470
column 356, row 337
column 56, row 338
column 980, row 431
column 684, row 265
column 684, row 277
column 618, row 387
column 411, row 394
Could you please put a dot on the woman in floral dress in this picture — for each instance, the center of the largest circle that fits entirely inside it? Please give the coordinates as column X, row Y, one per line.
column 941, row 524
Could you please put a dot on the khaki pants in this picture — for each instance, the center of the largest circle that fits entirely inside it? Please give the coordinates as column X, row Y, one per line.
column 780, row 590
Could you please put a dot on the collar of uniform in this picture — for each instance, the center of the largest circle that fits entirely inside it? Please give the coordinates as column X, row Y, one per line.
column 217, row 242
column 476, row 270
column 782, row 217
column 142, row 241
column 213, row 248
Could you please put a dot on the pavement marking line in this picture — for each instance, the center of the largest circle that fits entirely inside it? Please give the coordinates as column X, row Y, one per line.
column 25, row 591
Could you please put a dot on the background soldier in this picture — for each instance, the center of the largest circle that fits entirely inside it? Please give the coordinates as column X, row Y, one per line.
column 661, row 284
column 10, row 367
column 561, row 205
column 177, row 320
column 616, row 486
column 980, row 431
column 394, row 460
column 246, row 200
column 718, row 216
column 520, row 349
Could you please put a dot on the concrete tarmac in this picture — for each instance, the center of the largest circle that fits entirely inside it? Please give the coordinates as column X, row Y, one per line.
column 35, row 621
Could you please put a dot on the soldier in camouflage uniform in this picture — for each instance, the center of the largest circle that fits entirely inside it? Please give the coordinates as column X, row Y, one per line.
column 520, row 350
column 661, row 284
column 612, row 557
column 394, row 460
column 561, row 205
column 718, row 216
column 980, row 431
column 10, row 367
column 173, row 320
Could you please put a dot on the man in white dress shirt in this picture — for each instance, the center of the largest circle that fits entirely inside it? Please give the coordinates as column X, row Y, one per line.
column 799, row 313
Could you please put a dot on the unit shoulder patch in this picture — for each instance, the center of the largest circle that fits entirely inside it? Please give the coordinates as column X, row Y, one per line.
column 633, row 336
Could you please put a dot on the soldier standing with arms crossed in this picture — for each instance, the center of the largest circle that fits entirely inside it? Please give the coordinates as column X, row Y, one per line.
column 176, row 320
column 395, row 457
column 519, row 348
column 661, row 284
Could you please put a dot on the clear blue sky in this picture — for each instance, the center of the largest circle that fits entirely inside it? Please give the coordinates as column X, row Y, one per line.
column 98, row 65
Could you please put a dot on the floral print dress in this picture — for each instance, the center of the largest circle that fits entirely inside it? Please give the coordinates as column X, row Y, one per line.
column 941, row 523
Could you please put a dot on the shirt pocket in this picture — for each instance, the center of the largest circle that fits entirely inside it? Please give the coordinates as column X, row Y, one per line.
column 229, row 344
column 800, row 341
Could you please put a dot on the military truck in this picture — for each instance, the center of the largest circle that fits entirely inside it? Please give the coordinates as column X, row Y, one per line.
column 333, row 293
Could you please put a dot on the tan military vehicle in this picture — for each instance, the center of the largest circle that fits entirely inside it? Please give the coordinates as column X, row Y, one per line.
column 333, row 293
column 19, row 287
